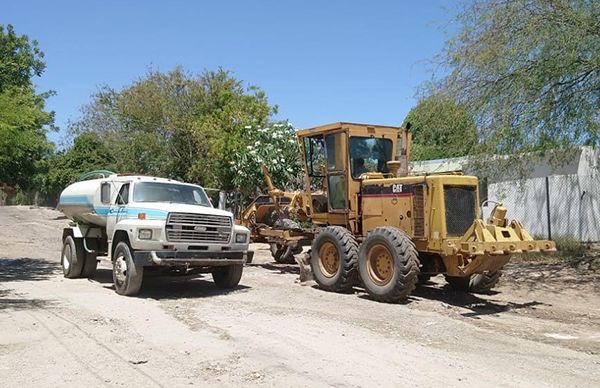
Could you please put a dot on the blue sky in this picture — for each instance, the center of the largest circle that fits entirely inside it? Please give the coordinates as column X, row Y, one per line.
column 319, row 61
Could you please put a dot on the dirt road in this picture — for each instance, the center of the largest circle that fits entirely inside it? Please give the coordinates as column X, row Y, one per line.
column 541, row 329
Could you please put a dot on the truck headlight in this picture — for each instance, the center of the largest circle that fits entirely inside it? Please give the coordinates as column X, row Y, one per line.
column 145, row 234
column 241, row 238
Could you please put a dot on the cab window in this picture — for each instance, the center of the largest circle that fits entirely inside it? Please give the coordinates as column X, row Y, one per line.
column 123, row 197
column 369, row 154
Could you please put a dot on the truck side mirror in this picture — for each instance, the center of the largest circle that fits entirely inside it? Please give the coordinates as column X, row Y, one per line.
column 222, row 200
column 105, row 192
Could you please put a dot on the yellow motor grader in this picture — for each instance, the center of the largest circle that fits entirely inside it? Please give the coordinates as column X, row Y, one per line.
column 368, row 220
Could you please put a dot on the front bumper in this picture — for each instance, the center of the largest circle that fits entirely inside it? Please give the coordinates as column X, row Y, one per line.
column 191, row 258
column 488, row 247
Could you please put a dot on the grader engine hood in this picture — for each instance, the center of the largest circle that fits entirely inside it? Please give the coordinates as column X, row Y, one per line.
column 488, row 246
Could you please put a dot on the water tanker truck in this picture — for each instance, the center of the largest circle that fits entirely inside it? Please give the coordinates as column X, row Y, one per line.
column 148, row 224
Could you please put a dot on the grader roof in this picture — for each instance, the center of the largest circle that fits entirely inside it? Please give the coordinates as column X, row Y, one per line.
column 345, row 125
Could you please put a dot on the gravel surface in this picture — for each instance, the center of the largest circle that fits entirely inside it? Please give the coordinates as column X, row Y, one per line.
column 541, row 329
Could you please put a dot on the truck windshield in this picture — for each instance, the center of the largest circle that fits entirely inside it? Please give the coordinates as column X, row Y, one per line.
column 170, row 192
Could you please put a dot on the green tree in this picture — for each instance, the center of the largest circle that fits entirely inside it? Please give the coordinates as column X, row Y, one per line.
column 441, row 128
column 23, row 121
column 530, row 72
column 20, row 59
column 276, row 146
column 65, row 167
column 178, row 125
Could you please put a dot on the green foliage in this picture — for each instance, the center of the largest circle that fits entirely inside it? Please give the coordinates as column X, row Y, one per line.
column 441, row 128
column 177, row 125
column 530, row 72
column 20, row 60
column 569, row 245
column 63, row 168
column 274, row 145
column 23, row 121
column 22, row 136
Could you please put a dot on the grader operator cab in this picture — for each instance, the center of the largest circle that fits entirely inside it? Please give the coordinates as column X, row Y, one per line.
column 370, row 220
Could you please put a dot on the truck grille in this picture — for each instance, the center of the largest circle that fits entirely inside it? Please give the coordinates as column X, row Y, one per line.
column 204, row 228
column 460, row 208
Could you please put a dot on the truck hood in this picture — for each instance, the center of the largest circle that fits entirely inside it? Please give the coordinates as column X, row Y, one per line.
column 165, row 208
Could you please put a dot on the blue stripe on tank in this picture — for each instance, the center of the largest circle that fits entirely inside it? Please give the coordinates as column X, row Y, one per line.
column 74, row 200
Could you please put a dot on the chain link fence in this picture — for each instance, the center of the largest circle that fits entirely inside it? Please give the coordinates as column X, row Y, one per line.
column 554, row 206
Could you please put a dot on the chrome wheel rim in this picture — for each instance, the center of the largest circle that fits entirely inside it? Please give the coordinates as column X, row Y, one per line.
column 66, row 257
column 120, row 269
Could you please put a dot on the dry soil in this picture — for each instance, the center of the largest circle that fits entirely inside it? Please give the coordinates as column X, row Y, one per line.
column 542, row 327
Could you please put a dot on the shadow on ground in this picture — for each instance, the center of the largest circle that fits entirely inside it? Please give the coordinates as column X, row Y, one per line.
column 11, row 301
column 478, row 305
column 172, row 287
column 26, row 269
column 279, row 268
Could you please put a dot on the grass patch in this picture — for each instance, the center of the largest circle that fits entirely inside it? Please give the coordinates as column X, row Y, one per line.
column 570, row 252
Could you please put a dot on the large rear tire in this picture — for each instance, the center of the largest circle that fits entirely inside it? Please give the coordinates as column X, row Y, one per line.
column 334, row 259
column 477, row 283
column 389, row 265
column 127, row 276
column 227, row 277
column 72, row 257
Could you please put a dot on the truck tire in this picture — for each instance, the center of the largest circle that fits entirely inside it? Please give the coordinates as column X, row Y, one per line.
column 284, row 254
column 389, row 265
column 477, row 283
column 89, row 265
column 72, row 257
column 127, row 276
column 227, row 277
column 334, row 259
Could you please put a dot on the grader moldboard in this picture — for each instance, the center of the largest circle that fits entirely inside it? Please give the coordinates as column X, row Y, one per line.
column 366, row 218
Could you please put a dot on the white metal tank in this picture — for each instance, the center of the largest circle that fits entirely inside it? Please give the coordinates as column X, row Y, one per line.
column 81, row 202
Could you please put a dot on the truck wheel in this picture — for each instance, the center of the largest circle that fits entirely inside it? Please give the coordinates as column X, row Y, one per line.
column 334, row 259
column 388, row 264
column 90, row 264
column 227, row 276
column 72, row 258
column 283, row 254
column 127, row 276
column 478, row 283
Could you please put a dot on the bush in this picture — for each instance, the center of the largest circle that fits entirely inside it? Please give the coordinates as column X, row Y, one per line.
column 569, row 245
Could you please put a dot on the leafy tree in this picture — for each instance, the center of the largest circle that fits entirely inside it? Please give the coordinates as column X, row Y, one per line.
column 529, row 70
column 23, row 121
column 20, row 60
column 441, row 128
column 88, row 153
column 178, row 125
column 276, row 146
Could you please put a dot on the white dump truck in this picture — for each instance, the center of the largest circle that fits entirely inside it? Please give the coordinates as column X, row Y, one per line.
column 149, row 224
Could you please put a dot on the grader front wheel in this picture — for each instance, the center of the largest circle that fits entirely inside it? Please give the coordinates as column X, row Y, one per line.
column 478, row 283
column 334, row 257
column 388, row 264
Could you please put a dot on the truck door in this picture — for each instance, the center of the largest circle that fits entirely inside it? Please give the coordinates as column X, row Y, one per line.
column 117, row 210
column 337, row 187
